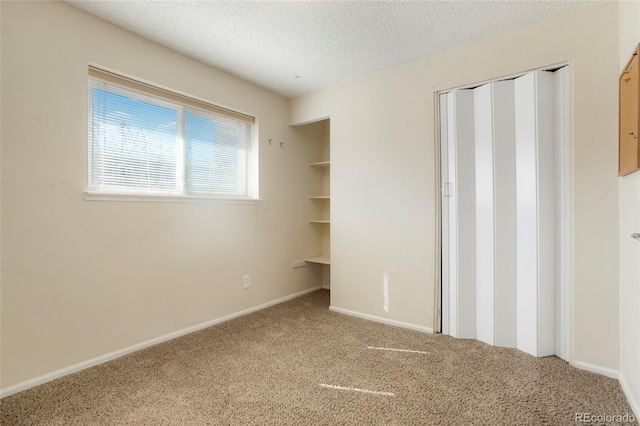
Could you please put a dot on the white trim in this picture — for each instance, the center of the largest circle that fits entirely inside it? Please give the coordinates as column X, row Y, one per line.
column 164, row 198
column 315, row 120
column 10, row 390
column 597, row 369
column 381, row 320
column 565, row 212
column 635, row 404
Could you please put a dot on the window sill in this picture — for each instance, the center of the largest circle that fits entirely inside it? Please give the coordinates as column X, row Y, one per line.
column 158, row 198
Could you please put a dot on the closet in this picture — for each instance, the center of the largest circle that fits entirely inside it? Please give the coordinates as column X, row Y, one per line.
column 504, row 212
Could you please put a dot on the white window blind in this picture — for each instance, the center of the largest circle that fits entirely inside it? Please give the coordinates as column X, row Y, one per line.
column 145, row 140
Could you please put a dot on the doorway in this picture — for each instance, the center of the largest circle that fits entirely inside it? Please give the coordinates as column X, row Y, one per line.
column 505, row 181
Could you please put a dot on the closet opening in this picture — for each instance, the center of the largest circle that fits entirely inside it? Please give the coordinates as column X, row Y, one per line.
column 505, row 211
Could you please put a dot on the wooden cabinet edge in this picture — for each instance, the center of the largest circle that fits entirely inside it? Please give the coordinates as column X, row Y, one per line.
column 627, row 164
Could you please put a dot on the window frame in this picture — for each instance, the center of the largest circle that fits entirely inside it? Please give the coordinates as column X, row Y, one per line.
column 183, row 103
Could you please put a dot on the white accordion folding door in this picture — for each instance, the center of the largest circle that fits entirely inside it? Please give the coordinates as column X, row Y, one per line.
column 503, row 212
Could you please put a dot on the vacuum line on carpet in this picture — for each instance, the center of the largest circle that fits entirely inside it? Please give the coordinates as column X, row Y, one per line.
column 373, row 392
column 398, row 350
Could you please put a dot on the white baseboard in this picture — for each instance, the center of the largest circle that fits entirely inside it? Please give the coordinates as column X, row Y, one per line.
column 381, row 320
column 633, row 402
column 614, row 374
column 10, row 390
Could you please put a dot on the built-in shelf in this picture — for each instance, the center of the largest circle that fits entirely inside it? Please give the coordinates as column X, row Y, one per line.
column 325, row 260
column 318, row 205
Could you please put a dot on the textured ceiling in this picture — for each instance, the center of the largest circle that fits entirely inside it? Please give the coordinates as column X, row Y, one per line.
column 293, row 47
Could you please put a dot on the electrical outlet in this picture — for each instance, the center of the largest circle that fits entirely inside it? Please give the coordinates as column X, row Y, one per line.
column 298, row 264
column 246, row 281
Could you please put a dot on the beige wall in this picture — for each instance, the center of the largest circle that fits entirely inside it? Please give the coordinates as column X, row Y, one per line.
column 384, row 172
column 630, row 249
column 81, row 278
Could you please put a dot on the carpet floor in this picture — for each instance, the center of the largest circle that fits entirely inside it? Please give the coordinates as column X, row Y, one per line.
column 298, row 363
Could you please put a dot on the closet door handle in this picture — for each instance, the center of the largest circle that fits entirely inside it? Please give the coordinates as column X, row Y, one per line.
column 636, row 236
column 446, row 189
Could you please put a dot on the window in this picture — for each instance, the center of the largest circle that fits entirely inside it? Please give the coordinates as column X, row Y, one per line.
column 146, row 140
